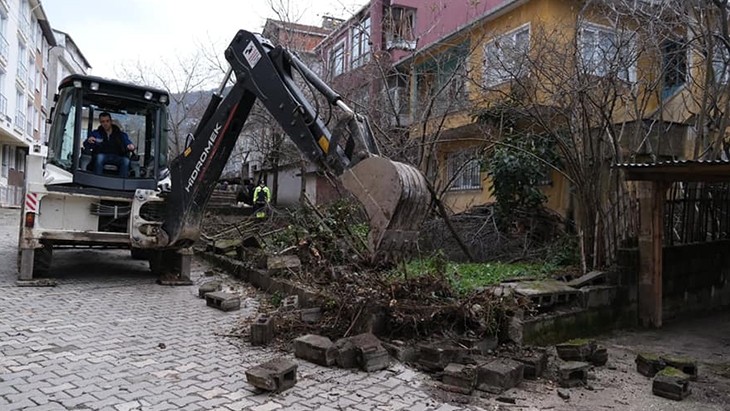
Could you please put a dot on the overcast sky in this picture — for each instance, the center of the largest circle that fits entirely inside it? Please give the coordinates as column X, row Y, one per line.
column 111, row 32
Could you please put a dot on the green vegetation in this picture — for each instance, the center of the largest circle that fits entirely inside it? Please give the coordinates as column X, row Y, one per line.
column 466, row 277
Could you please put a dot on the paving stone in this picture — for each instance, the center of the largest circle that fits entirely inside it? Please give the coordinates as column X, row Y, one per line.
column 276, row 375
column 315, row 348
column 671, row 383
column 499, row 375
column 223, row 301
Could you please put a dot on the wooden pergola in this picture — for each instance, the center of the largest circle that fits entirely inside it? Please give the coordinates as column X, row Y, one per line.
column 654, row 179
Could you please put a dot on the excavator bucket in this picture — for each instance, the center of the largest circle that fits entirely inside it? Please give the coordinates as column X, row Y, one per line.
column 396, row 199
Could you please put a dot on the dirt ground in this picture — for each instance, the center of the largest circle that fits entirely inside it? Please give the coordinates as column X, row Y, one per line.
column 617, row 385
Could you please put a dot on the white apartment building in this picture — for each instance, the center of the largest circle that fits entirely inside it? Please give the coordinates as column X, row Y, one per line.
column 25, row 39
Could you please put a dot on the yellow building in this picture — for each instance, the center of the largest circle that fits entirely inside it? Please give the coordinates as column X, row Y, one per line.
column 607, row 82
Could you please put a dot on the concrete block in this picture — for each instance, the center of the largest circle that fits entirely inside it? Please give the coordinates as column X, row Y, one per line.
column 598, row 296
column 575, row 350
column 278, row 262
column 599, row 356
column 648, row 364
column 401, row 351
column 460, row 378
column 685, row 365
column 262, row 330
column 209, row 287
column 223, row 301
column 480, row 345
column 671, row 383
column 535, row 362
column 436, row 356
column 573, row 374
column 315, row 348
column 290, row 303
column 499, row 375
column 362, row 350
column 311, row 315
column 275, row 375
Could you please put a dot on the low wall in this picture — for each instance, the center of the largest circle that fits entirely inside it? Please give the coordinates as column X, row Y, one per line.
column 694, row 279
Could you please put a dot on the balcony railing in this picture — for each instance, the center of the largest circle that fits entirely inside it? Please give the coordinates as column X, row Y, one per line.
column 4, row 49
column 3, row 106
column 24, row 27
column 22, row 74
column 29, row 128
column 19, row 120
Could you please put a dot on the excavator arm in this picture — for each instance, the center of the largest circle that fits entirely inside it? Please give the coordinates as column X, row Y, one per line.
column 394, row 195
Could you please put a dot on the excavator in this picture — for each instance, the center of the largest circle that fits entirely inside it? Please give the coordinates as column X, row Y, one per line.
column 155, row 206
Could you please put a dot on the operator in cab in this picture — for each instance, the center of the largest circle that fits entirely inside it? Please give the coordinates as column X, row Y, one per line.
column 109, row 145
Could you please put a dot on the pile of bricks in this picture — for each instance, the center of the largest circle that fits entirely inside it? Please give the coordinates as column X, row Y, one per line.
column 363, row 351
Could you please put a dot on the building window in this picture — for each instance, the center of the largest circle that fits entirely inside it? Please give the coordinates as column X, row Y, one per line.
column 604, row 52
column 720, row 67
column 464, row 170
column 360, row 50
column 337, row 59
column 504, row 57
column 398, row 28
column 674, row 66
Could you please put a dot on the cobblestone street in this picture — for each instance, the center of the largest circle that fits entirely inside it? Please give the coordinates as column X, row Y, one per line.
column 109, row 338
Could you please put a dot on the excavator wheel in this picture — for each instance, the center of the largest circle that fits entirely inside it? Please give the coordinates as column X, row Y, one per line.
column 396, row 199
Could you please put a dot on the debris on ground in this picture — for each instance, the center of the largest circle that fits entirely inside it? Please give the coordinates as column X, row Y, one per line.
column 276, row 375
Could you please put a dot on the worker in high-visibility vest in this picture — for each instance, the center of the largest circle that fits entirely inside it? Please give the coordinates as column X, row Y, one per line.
column 261, row 198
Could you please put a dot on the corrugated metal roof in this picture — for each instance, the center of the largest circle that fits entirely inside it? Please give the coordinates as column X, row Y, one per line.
column 673, row 163
column 678, row 170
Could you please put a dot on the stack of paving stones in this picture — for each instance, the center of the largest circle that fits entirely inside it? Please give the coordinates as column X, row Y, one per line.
column 363, row 351
column 579, row 355
column 670, row 374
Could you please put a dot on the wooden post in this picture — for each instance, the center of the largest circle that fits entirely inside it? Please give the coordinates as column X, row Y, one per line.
column 651, row 235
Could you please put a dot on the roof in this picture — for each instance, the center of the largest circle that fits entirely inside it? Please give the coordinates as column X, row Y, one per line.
column 678, row 170
column 78, row 50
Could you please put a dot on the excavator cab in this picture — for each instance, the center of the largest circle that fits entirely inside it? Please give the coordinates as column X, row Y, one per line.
column 138, row 112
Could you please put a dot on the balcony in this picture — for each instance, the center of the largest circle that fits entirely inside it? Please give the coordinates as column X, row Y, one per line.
column 4, row 50
column 22, row 75
column 19, row 121
column 3, row 106
column 23, row 28
column 29, row 128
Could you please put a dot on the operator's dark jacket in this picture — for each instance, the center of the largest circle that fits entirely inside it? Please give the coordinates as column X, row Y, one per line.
column 115, row 144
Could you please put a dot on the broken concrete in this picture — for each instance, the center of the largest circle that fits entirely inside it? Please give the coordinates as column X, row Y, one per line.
column 649, row 364
column 315, row 348
column 573, row 374
column 499, row 375
column 275, row 375
column 671, row 383
column 209, row 287
column 262, row 330
column 223, row 301
column 460, row 378
column 590, row 279
column 598, row 296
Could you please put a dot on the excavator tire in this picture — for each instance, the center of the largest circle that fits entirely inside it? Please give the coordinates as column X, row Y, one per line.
column 396, row 199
